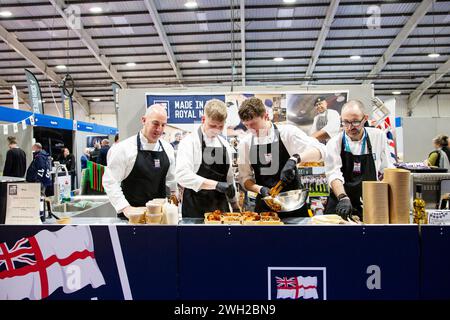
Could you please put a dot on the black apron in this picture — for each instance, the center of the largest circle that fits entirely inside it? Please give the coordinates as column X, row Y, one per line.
column 195, row 204
column 147, row 179
column 272, row 157
column 353, row 177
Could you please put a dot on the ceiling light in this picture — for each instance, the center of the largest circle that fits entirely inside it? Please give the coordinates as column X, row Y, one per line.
column 61, row 66
column 434, row 55
column 190, row 4
column 96, row 99
column 131, row 64
column 203, row 61
column 96, row 10
column 289, row 1
column 355, row 57
column 5, row 14
column 278, row 59
column 396, row 92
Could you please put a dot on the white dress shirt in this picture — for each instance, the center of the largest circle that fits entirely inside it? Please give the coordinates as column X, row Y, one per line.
column 378, row 140
column 121, row 159
column 293, row 138
column 189, row 159
column 333, row 123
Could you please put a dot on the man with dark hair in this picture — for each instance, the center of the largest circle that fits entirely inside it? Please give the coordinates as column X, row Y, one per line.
column 271, row 153
column 16, row 160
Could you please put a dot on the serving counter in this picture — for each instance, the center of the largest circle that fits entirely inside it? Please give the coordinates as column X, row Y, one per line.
column 105, row 258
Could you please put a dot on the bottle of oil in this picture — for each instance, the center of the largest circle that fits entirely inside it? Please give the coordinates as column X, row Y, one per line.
column 419, row 213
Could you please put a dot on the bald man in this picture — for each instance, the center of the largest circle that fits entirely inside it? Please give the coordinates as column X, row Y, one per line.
column 142, row 166
column 358, row 154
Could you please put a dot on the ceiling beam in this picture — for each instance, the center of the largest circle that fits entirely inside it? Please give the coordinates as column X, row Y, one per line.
column 242, row 6
column 331, row 11
column 87, row 40
column 420, row 12
column 15, row 44
column 164, row 39
column 427, row 83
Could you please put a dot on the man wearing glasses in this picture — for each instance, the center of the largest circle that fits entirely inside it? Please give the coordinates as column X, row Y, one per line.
column 326, row 123
column 355, row 155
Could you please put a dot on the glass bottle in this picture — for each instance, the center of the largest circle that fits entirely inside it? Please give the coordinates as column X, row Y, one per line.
column 419, row 213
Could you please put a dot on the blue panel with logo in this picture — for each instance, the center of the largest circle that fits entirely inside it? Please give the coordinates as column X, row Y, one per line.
column 299, row 262
column 182, row 108
column 43, row 120
column 435, row 262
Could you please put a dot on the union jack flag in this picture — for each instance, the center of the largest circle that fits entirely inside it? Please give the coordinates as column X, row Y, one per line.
column 387, row 128
column 297, row 287
column 20, row 255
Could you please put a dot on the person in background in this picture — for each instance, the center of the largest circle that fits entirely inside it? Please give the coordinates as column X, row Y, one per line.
column 16, row 160
column 271, row 153
column 69, row 160
column 142, row 167
column 204, row 166
column 85, row 158
column 95, row 154
column 355, row 155
column 39, row 169
column 440, row 157
column 176, row 142
column 104, row 152
column 116, row 138
column 326, row 123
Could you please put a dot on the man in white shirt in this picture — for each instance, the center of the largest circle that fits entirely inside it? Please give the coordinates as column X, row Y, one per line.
column 326, row 123
column 204, row 166
column 141, row 167
column 358, row 154
column 271, row 153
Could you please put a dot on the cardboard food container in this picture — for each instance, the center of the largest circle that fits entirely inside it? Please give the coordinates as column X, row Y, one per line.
column 231, row 219
column 137, row 215
column 153, row 218
column 211, row 221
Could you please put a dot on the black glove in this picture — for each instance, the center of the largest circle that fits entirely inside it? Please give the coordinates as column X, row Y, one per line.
column 288, row 173
column 344, row 208
column 264, row 192
column 226, row 188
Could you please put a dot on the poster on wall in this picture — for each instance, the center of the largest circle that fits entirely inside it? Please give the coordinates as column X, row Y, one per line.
column 301, row 109
column 182, row 109
column 92, row 140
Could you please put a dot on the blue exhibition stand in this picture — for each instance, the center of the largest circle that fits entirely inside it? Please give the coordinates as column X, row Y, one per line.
column 198, row 262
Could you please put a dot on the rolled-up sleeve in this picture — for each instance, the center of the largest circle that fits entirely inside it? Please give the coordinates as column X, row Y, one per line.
column 171, row 181
column 113, row 176
column 300, row 141
column 185, row 168
column 333, row 162
column 244, row 165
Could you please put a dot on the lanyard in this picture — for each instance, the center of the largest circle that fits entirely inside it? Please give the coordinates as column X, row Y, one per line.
column 363, row 146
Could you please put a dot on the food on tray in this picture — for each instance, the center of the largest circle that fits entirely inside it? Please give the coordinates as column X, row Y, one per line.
column 312, row 164
column 213, row 216
column 269, row 214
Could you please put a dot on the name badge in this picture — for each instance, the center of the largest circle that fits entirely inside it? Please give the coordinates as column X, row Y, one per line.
column 374, row 156
column 268, row 157
column 357, row 167
column 157, row 163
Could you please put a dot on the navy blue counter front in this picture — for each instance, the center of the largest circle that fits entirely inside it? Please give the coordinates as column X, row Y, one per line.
column 198, row 262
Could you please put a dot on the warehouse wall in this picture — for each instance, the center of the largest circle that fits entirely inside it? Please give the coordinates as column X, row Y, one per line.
column 132, row 102
column 438, row 106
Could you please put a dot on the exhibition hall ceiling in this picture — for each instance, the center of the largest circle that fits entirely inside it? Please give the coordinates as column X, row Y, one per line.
column 396, row 45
